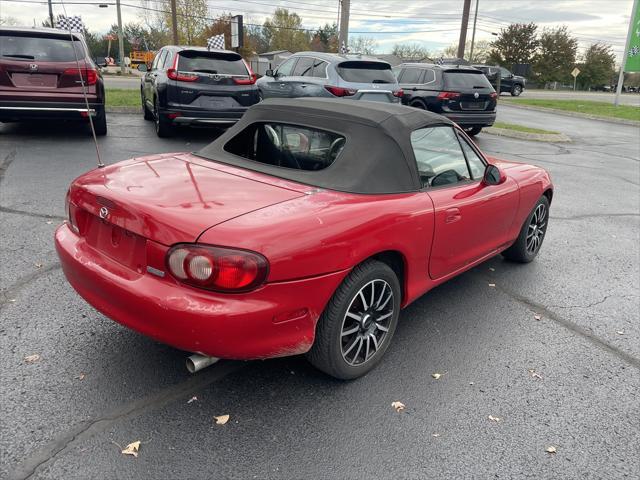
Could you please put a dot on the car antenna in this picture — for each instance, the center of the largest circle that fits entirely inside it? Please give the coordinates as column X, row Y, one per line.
column 84, row 88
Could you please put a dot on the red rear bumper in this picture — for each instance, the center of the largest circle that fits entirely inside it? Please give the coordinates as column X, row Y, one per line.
column 276, row 320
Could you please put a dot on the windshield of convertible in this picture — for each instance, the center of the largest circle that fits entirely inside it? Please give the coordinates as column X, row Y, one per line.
column 287, row 146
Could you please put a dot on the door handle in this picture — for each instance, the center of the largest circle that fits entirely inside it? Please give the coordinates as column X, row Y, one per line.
column 452, row 215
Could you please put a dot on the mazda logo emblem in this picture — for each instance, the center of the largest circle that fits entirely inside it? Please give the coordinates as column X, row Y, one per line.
column 33, row 67
column 104, row 212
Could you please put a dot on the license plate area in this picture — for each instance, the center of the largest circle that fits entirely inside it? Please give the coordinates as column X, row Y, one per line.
column 473, row 105
column 43, row 80
column 117, row 243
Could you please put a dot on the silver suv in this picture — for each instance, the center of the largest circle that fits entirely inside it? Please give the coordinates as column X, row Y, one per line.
column 316, row 74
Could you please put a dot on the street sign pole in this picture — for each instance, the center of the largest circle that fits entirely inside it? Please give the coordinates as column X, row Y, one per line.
column 632, row 20
column 575, row 72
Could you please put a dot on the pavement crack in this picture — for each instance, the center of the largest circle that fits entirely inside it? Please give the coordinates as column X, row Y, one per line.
column 571, row 326
column 594, row 215
column 6, row 161
column 31, row 214
column 7, row 295
column 65, row 441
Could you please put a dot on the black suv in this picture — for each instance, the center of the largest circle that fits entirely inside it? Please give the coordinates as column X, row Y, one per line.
column 509, row 83
column 196, row 86
column 462, row 94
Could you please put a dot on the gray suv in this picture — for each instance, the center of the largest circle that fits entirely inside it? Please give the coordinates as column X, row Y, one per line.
column 316, row 74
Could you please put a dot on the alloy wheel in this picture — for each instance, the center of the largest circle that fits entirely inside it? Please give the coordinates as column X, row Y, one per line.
column 366, row 323
column 537, row 229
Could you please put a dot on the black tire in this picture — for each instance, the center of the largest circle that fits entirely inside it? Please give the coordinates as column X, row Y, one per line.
column 163, row 128
column 536, row 225
column 100, row 122
column 516, row 90
column 148, row 115
column 419, row 104
column 473, row 131
column 327, row 352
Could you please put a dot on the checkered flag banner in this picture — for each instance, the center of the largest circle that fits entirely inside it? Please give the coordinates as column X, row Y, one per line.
column 440, row 61
column 74, row 24
column 216, row 42
column 344, row 49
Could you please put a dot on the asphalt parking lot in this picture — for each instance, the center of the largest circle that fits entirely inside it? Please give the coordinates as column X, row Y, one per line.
column 551, row 352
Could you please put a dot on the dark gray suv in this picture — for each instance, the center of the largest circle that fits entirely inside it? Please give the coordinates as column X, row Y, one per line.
column 316, row 74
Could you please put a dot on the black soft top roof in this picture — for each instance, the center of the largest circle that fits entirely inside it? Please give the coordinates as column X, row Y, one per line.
column 377, row 156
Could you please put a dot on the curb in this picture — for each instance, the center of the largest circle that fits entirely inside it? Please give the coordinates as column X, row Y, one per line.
column 535, row 137
column 618, row 121
column 123, row 110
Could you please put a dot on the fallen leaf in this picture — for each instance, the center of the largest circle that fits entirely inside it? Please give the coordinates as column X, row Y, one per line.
column 399, row 406
column 494, row 419
column 537, row 317
column 38, row 265
column 550, row 449
column 492, row 269
column 436, row 375
column 435, row 435
column 492, row 284
column 132, row 449
column 535, row 374
column 620, row 332
column 192, row 399
column 221, row 420
column 32, row 358
column 81, row 376
column 49, row 222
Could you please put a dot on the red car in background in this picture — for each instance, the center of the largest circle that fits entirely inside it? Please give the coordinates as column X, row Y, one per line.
column 42, row 74
column 305, row 228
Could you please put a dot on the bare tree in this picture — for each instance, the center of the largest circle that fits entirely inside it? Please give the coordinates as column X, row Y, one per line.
column 363, row 45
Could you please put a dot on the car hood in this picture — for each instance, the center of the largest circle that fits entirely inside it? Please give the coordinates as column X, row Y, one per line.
column 173, row 198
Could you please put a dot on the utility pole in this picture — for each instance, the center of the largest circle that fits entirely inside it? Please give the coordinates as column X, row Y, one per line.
column 174, row 22
column 51, row 14
column 473, row 35
column 120, row 39
column 343, row 36
column 463, row 28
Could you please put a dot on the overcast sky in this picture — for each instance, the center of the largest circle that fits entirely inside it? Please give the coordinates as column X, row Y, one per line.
column 433, row 23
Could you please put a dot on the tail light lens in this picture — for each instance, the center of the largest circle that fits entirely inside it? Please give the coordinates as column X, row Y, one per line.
column 246, row 81
column 398, row 93
column 340, row 92
column 71, row 217
column 217, row 268
column 89, row 76
column 493, row 95
column 174, row 74
column 448, row 95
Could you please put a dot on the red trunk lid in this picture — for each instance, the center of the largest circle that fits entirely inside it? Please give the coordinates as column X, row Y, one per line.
column 166, row 198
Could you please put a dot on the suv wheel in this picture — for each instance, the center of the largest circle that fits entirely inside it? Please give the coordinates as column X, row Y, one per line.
column 473, row 131
column 516, row 90
column 163, row 128
column 419, row 104
column 357, row 325
column 100, row 122
column 148, row 115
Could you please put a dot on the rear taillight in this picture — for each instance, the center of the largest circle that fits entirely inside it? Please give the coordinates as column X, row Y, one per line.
column 493, row 95
column 340, row 92
column 89, row 76
column 246, row 81
column 398, row 93
column 217, row 268
column 174, row 74
column 448, row 95
column 70, row 209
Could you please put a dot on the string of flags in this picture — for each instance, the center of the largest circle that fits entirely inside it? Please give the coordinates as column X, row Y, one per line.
column 216, row 42
column 75, row 23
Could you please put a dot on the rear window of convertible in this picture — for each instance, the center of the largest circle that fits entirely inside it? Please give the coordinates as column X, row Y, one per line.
column 287, row 146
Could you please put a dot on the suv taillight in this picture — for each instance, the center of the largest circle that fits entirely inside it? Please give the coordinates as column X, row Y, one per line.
column 174, row 74
column 340, row 92
column 398, row 93
column 448, row 95
column 246, row 81
column 493, row 95
column 89, row 75
column 217, row 268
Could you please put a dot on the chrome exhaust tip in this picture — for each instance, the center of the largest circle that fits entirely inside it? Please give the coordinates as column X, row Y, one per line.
column 197, row 362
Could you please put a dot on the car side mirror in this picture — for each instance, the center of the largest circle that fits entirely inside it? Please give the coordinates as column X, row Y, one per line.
column 143, row 67
column 493, row 175
column 269, row 73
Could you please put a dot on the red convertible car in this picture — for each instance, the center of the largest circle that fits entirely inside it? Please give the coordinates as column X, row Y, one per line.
column 305, row 228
